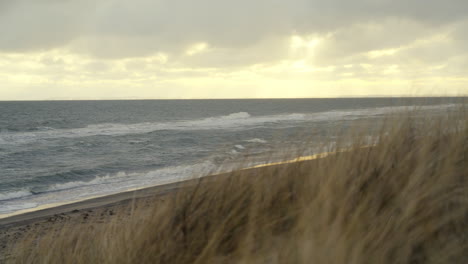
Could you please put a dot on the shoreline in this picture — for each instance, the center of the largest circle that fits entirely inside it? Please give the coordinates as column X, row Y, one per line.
column 28, row 216
column 105, row 209
column 97, row 200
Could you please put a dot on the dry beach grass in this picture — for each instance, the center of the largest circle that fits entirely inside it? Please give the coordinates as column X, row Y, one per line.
column 402, row 200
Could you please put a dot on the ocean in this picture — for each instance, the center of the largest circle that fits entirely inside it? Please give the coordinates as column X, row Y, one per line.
column 56, row 152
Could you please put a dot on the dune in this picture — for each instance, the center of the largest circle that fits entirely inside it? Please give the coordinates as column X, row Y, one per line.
column 401, row 200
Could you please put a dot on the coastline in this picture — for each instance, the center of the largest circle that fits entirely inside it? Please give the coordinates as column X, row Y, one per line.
column 91, row 203
column 25, row 217
column 105, row 209
column 372, row 200
column 96, row 210
column 364, row 193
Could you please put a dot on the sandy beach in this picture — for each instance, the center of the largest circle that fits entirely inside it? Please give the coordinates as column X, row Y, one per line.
column 95, row 210
column 367, row 199
column 124, row 198
column 102, row 209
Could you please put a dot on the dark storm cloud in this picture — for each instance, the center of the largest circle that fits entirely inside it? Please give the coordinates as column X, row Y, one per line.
column 118, row 28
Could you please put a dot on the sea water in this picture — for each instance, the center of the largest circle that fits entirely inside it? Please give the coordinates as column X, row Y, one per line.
column 63, row 151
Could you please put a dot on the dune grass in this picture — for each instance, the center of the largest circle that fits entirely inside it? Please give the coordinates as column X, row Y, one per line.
column 402, row 200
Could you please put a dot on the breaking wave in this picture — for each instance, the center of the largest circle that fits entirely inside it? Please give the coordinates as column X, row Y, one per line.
column 16, row 207
column 14, row 195
column 256, row 140
column 235, row 121
column 103, row 185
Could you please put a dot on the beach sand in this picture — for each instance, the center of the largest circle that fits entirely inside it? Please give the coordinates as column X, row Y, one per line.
column 118, row 200
column 96, row 210
column 101, row 209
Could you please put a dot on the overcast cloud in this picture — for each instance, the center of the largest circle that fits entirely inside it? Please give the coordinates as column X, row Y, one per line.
column 142, row 27
column 232, row 35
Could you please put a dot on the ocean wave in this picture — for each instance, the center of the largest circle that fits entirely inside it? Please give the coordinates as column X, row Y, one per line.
column 256, row 140
column 67, row 192
column 234, row 121
column 75, row 184
column 103, row 185
column 125, row 179
column 8, row 208
column 14, row 195
column 44, row 128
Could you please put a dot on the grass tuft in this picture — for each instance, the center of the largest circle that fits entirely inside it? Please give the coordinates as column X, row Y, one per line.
column 403, row 199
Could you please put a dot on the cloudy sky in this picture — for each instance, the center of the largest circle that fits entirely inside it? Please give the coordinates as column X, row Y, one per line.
column 115, row 49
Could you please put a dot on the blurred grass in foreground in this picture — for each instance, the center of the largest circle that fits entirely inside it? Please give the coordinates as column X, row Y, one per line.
column 402, row 200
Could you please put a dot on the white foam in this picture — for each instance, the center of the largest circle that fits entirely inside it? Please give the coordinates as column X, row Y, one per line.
column 256, row 140
column 14, row 195
column 234, row 116
column 74, row 184
column 105, row 185
column 239, row 147
column 5, row 208
column 45, row 128
column 235, row 121
column 122, row 180
column 232, row 121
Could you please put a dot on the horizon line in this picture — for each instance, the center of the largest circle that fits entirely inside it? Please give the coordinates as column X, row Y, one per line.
column 234, row 98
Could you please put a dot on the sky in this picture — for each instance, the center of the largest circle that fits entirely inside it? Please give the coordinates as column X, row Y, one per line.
column 185, row 49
